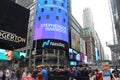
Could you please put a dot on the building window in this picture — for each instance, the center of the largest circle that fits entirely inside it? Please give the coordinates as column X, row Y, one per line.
column 62, row 4
column 39, row 18
column 32, row 11
column 65, row 14
column 57, row 17
column 38, row 4
column 42, row 10
column 31, row 24
column 45, row 2
column 64, row 20
column 54, row 2
column 47, row 16
column 36, row 12
column 32, row 18
column 59, row 10
column 51, row 9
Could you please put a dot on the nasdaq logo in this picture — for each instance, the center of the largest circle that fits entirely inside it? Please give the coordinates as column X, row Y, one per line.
column 45, row 43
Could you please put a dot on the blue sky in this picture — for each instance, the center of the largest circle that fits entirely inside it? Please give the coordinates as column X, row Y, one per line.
column 101, row 16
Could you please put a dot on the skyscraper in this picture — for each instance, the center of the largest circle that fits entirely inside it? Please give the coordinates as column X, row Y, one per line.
column 92, row 39
column 88, row 19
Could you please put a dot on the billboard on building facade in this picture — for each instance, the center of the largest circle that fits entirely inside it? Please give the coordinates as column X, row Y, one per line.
column 97, row 54
column 13, row 25
column 73, row 63
column 10, row 55
column 74, row 55
column 75, row 40
column 51, row 20
column 50, row 43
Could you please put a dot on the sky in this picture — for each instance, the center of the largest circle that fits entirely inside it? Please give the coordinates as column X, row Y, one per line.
column 101, row 17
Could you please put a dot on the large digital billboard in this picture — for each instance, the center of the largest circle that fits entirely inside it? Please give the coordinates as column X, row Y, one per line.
column 10, row 55
column 51, row 20
column 75, row 38
column 13, row 25
column 50, row 43
column 75, row 55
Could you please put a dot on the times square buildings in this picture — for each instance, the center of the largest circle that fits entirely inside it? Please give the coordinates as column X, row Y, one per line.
column 54, row 37
column 115, row 44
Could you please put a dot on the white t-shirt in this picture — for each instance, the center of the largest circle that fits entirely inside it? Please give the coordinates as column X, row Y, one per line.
column 92, row 77
column 1, row 73
column 106, row 75
column 7, row 73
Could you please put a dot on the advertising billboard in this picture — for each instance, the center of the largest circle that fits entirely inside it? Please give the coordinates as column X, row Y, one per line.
column 13, row 25
column 75, row 55
column 73, row 63
column 10, row 55
column 75, row 40
column 51, row 20
column 97, row 54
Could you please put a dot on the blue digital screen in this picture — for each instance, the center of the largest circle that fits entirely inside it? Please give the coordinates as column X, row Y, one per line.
column 22, row 54
column 51, row 20
column 73, row 63
column 2, row 55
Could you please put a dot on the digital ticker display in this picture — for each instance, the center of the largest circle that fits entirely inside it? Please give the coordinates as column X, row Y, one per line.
column 51, row 20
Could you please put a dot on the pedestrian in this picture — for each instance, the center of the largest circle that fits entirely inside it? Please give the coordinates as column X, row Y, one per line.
column 98, row 75
column 39, row 76
column 44, row 72
column 13, row 75
column 106, row 74
column 23, row 73
column 92, row 76
column 29, row 75
column 116, row 76
column 1, row 74
column 7, row 74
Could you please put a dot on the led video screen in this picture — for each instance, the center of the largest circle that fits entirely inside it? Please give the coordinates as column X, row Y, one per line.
column 75, row 55
column 13, row 25
column 51, row 20
column 10, row 55
column 73, row 63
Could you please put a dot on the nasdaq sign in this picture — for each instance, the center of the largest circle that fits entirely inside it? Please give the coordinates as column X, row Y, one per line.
column 52, row 43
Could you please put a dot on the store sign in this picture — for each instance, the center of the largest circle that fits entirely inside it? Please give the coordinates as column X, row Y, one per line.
column 52, row 43
column 11, row 37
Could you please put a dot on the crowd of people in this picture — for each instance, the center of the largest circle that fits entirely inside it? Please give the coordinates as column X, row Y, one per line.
column 67, row 73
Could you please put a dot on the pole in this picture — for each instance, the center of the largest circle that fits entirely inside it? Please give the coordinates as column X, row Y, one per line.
column 30, row 59
column 43, row 53
column 58, row 58
column 35, row 53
